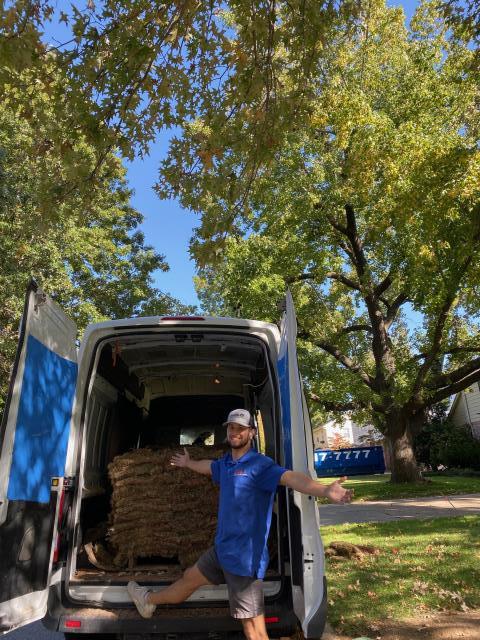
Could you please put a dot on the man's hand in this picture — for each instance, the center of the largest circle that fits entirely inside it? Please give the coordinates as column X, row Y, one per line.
column 184, row 461
column 336, row 493
column 180, row 459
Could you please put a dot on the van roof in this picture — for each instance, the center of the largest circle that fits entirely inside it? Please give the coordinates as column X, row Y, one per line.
column 196, row 322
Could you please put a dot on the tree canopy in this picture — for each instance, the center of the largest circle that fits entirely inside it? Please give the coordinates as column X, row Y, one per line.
column 369, row 212
column 326, row 147
column 136, row 67
column 464, row 17
column 78, row 237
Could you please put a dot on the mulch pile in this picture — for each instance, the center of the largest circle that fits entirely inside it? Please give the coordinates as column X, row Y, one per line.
column 161, row 510
column 346, row 550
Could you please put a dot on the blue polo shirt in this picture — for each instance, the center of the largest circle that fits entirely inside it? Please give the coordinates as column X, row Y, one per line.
column 247, row 491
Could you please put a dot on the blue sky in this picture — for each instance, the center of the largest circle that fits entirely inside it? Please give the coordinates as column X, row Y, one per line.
column 167, row 227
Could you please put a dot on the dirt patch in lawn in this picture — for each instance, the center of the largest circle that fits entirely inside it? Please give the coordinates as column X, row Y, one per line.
column 434, row 626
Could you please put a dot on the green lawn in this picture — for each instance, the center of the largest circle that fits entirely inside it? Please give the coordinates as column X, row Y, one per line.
column 379, row 487
column 423, row 565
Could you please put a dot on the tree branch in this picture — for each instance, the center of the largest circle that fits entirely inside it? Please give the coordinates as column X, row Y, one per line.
column 337, row 406
column 347, row 250
column 351, row 284
column 436, row 341
column 440, row 324
column 447, row 379
column 450, row 351
column 356, row 327
column 355, row 242
column 347, row 362
column 336, row 225
column 384, row 362
column 333, row 275
column 382, row 286
column 462, row 384
column 393, row 309
column 300, row 277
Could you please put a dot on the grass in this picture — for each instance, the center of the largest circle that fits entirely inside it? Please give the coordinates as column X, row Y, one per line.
column 423, row 565
column 379, row 487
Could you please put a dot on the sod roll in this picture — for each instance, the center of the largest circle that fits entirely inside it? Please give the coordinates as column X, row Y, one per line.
column 160, row 510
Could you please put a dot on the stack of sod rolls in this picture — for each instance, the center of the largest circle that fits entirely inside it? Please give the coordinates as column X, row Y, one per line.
column 159, row 510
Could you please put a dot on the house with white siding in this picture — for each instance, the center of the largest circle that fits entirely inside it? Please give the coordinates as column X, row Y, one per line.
column 347, row 431
column 465, row 409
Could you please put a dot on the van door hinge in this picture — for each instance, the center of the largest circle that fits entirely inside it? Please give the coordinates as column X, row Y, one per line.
column 69, row 483
column 40, row 299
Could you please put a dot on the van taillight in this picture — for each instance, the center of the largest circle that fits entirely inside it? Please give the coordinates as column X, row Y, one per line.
column 56, row 551
column 73, row 624
column 194, row 318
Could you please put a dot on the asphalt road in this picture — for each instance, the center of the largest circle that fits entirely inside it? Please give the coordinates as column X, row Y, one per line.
column 34, row 631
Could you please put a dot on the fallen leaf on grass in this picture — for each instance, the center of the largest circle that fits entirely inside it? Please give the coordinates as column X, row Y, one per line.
column 454, row 597
column 420, row 587
column 419, row 568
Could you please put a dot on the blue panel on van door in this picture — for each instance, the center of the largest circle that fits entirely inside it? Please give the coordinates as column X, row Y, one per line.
column 43, row 423
column 285, row 402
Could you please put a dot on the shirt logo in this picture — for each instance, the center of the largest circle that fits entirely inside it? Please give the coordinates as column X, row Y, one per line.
column 240, row 472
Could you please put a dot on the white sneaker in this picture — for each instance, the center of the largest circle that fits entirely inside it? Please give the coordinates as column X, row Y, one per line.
column 139, row 596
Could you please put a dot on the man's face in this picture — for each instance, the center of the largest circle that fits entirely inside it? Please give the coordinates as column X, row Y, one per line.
column 238, row 436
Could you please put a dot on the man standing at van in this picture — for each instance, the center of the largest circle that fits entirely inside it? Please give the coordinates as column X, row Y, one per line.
column 248, row 481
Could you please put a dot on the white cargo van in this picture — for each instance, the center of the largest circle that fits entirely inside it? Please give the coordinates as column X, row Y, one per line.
column 141, row 382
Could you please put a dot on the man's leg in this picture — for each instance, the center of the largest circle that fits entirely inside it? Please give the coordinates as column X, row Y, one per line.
column 146, row 600
column 180, row 590
column 254, row 628
column 246, row 604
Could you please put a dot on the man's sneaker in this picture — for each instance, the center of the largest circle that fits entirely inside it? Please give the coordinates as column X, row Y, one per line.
column 139, row 596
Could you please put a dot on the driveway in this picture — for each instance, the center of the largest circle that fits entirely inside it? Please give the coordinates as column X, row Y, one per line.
column 405, row 509
column 34, row 631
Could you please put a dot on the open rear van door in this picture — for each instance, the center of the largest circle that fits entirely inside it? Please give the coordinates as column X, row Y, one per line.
column 306, row 550
column 33, row 445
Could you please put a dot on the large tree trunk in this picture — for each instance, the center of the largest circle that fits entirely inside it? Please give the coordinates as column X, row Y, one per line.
column 399, row 434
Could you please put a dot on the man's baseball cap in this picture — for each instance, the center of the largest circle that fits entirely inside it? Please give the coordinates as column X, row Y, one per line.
column 239, row 416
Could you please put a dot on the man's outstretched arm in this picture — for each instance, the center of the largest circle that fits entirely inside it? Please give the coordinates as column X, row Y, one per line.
column 304, row 484
column 184, row 461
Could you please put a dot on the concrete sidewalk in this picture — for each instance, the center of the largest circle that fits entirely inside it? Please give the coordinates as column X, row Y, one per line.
column 406, row 509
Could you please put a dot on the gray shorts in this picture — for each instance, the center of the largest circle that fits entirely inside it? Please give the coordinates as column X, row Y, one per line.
column 245, row 594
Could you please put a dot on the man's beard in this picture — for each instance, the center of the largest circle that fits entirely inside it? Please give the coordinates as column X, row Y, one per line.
column 238, row 444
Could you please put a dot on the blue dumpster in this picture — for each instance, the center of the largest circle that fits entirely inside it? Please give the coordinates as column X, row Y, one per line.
column 354, row 461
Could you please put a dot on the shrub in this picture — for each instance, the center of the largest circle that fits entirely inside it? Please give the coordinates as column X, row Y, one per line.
column 443, row 443
column 459, row 449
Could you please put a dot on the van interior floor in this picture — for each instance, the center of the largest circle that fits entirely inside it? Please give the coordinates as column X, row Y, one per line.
column 153, row 573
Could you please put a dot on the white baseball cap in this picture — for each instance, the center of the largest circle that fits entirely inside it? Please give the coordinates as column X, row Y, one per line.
column 239, row 416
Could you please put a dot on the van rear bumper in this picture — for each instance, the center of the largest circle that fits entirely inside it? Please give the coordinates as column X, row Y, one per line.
column 171, row 623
